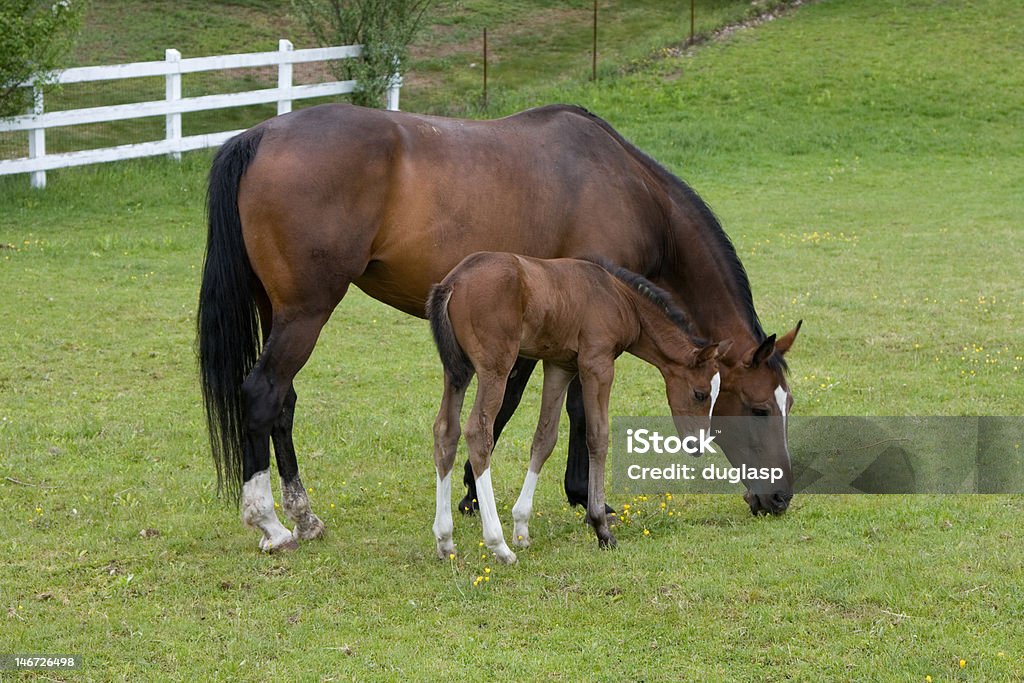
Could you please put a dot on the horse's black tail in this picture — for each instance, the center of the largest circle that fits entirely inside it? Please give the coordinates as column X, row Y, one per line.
column 227, row 322
column 453, row 358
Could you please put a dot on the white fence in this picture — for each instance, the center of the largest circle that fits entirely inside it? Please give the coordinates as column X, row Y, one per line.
column 172, row 106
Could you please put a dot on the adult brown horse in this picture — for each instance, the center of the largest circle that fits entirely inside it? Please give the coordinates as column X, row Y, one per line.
column 303, row 205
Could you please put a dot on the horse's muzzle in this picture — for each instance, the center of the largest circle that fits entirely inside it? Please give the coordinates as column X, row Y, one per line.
column 768, row 503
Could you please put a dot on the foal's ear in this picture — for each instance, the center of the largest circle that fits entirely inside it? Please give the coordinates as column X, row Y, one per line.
column 723, row 348
column 703, row 355
column 760, row 354
column 787, row 339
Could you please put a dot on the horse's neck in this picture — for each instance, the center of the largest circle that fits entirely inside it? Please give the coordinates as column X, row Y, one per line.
column 660, row 342
column 704, row 279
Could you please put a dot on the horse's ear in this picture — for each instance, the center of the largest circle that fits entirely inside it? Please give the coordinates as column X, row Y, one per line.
column 761, row 353
column 723, row 348
column 703, row 355
column 786, row 341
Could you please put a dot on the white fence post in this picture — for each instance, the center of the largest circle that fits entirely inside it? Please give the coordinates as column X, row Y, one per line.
column 173, row 94
column 394, row 87
column 37, row 139
column 284, row 76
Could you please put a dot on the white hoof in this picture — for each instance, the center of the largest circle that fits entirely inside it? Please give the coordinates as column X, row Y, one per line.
column 446, row 550
column 280, row 544
column 504, row 555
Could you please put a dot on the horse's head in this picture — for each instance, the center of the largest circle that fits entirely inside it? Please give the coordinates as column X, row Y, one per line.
column 754, row 385
column 693, row 385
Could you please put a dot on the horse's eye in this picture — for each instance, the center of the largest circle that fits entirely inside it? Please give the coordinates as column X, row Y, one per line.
column 760, row 412
column 700, row 396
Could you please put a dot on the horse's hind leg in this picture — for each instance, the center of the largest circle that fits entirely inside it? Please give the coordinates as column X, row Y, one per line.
column 480, row 443
column 266, row 390
column 446, row 441
column 514, row 387
column 294, row 500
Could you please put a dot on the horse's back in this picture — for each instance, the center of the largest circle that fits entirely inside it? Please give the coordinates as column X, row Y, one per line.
column 392, row 201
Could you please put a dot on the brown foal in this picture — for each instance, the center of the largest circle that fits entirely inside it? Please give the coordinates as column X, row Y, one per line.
column 577, row 317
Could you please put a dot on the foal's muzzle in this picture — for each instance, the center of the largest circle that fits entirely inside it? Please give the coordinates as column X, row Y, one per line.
column 774, row 503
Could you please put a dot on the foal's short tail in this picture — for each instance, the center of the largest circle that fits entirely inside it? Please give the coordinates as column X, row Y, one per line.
column 456, row 364
column 227, row 325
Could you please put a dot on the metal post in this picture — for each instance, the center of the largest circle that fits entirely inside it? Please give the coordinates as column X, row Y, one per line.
column 693, row 14
column 173, row 94
column 284, row 77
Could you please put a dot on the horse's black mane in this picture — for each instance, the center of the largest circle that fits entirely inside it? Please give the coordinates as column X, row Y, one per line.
column 688, row 197
column 656, row 295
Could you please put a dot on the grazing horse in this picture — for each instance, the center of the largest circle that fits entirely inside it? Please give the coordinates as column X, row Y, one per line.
column 303, row 205
column 575, row 316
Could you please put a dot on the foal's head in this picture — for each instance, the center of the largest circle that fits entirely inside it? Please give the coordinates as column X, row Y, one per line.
column 692, row 383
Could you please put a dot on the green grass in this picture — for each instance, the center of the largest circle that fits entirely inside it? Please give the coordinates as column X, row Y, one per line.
column 865, row 158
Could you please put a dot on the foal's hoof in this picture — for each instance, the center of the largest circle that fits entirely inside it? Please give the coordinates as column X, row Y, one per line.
column 310, row 528
column 446, row 552
column 606, row 541
column 505, row 556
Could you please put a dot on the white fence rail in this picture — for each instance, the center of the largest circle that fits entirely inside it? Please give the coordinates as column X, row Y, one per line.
column 172, row 106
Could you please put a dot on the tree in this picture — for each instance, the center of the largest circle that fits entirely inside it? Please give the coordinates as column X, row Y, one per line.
column 383, row 27
column 35, row 38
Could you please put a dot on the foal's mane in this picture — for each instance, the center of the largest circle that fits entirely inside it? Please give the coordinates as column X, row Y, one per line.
column 684, row 195
column 656, row 295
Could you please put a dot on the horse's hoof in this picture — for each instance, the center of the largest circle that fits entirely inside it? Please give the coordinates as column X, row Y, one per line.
column 582, row 502
column 468, row 505
column 521, row 541
column 312, row 527
column 606, row 542
column 447, row 552
column 268, row 546
column 505, row 557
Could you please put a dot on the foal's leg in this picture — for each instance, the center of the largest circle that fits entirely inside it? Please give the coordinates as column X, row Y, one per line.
column 266, row 390
column 294, row 500
column 596, row 379
column 556, row 379
column 480, row 441
column 446, row 441
column 514, row 387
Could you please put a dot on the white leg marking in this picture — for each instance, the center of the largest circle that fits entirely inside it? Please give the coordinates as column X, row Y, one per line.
column 716, row 387
column 493, row 535
column 258, row 513
column 443, row 524
column 522, row 510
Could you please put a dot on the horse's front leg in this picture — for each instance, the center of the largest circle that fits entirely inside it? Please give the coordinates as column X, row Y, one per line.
column 556, row 379
column 294, row 500
column 596, row 378
column 446, row 442
column 480, row 442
